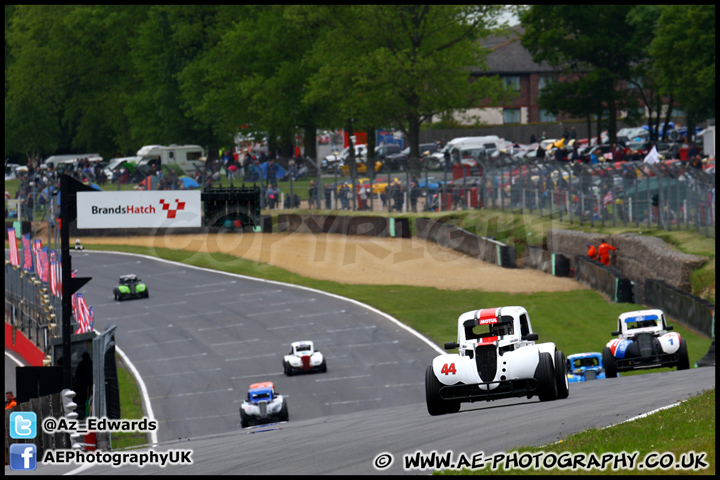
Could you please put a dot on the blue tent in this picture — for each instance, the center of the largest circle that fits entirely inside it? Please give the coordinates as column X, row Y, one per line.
column 189, row 182
column 280, row 171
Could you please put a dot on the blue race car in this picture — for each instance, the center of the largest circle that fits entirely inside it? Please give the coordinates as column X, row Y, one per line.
column 582, row 367
column 263, row 405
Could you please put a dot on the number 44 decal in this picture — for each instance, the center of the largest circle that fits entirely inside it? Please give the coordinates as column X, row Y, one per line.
column 448, row 369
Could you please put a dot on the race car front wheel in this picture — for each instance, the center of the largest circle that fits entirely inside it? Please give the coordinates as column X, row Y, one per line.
column 435, row 404
column 561, row 375
column 683, row 361
column 244, row 420
column 609, row 363
column 545, row 377
column 284, row 415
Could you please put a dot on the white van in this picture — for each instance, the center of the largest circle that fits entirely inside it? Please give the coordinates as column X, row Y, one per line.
column 188, row 157
column 490, row 143
column 57, row 160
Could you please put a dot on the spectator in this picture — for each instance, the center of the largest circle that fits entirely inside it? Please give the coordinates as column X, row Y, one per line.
column 414, row 195
column 696, row 162
column 312, row 196
column 532, row 139
column 592, row 251
column 272, row 196
column 231, row 168
column 328, row 197
column 10, row 400
column 272, row 171
column 540, row 153
column 618, row 153
column 604, row 252
column 363, row 194
column 83, row 384
column 343, row 194
column 573, row 134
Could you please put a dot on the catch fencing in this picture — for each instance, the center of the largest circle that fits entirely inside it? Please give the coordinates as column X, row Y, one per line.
column 30, row 307
column 668, row 195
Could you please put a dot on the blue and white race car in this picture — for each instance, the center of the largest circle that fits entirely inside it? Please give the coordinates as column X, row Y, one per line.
column 644, row 341
column 263, row 405
column 582, row 367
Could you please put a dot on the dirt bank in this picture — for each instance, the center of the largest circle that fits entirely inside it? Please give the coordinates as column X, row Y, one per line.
column 359, row 260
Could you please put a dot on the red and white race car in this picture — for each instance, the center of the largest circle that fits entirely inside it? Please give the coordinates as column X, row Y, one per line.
column 497, row 358
column 644, row 341
column 303, row 358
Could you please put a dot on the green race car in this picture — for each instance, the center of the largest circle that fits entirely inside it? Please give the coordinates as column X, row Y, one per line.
column 130, row 287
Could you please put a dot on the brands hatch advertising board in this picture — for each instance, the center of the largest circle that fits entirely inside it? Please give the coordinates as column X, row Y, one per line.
column 150, row 209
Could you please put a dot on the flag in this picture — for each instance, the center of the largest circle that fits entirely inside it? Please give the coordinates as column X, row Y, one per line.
column 27, row 253
column 54, row 275
column 45, row 264
column 14, row 255
column 652, row 156
column 37, row 249
column 83, row 314
column 608, row 198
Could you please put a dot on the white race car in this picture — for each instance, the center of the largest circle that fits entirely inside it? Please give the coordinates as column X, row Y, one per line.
column 263, row 405
column 303, row 358
column 644, row 341
column 497, row 358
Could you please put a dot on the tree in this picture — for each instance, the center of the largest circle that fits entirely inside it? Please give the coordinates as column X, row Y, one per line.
column 684, row 52
column 589, row 39
column 166, row 43
column 398, row 65
column 256, row 75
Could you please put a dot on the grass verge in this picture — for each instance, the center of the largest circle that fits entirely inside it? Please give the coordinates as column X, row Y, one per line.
column 681, row 434
column 130, row 408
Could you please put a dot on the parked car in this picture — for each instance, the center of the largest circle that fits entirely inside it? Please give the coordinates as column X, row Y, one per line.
column 336, row 160
column 399, row 160
column 497, row 358
column 582, row 367
column 382, row 152
column 115, row 163
column 263, row 405
column 644, row 341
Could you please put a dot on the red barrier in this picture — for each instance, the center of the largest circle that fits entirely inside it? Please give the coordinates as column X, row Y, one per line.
column 23, row 347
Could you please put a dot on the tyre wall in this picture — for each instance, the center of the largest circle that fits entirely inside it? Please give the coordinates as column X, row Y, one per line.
column 691, row 310
column 552, row 263
column 350, row 225
column 604, row 279
column 639, row 257
column 448, row 236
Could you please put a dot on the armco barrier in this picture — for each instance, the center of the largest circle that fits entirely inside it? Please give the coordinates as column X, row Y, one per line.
column 604, row 279
column 448, row 236
column 688, row 309
column 551, row 263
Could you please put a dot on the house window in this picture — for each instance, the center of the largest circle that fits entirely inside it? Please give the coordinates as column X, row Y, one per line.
column 546, row 116
column 512, row 83
column 544, row 82
column 511, row 115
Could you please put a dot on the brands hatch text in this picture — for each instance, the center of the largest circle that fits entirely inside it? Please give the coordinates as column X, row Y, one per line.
column 120, row 210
